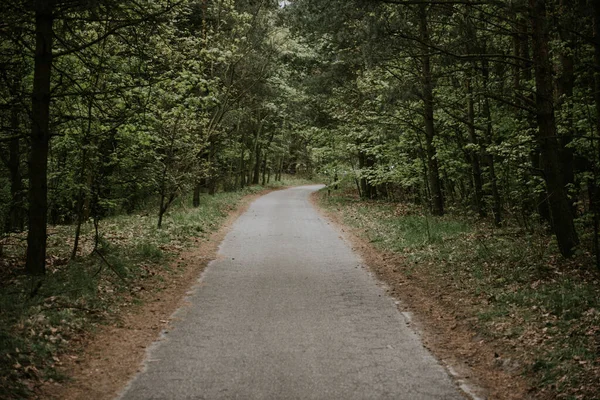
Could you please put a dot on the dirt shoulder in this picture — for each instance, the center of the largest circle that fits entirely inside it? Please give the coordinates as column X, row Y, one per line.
column 475, row 364
column 110, row 357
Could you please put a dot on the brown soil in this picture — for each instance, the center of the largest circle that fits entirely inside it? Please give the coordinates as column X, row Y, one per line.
column 474, row 363
column 109, row 358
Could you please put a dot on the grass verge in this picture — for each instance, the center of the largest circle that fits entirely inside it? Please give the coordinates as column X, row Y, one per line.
column 510, row 287
column 76, row 296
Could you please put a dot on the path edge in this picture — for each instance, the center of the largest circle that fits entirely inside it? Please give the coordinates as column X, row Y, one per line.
column 467, row 379
column 104, row 367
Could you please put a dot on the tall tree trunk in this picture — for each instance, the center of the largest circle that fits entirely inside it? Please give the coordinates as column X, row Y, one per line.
column 560, row 208
column 161, row 211
column 365, row 162
column 593, row 189
column 162, row 207
column 257, row 161
column 79, row 207
column 435, row 187
column 362, row 190
column 489, row 137
column 15, row 217
column 85, row 174
column 279, row 169
column 565, row 84
column 40, row 138
column 242, row 155
column 264, row 170
column 87, row 199
column 196, row 195
column 541, row 202
column 474, row 153
column 371, row 189
column 596, row 6
column 257, row 149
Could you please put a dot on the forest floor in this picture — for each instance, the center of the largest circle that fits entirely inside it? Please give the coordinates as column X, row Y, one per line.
column 53, row 342
column 497, row 305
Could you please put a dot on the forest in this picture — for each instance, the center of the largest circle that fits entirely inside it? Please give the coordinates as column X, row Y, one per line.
column 485, row 110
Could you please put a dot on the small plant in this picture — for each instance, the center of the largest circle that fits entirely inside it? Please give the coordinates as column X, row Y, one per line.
column 37, row 326
column 540, row 307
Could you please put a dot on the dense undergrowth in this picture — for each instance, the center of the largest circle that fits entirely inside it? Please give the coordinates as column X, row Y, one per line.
column 44, row 320
column 511, row 286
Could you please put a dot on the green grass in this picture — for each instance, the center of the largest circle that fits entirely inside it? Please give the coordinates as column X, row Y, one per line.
column 544, row 310
column 77, row 295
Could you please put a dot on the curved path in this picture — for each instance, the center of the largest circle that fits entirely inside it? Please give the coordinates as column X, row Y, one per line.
column 288, row 312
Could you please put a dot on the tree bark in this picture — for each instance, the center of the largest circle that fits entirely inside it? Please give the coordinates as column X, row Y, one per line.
column 242, row 173
column 15, row 217
column 541, row 202
column 593, row 189
column 367, row 190
column 264, row 170
column 39, row 139
column 196, row 196
column 257, row 161
column 560, row 208
column 257, row 149
column 474, row 154
column 279, row 169
column 565, row 84
column 80, row 205
column 435, row 187
column 489, row 137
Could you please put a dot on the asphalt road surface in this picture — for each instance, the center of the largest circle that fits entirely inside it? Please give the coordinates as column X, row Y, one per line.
column 288, row 312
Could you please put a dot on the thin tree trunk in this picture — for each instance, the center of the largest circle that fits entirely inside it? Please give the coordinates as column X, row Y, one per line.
column 15, row 218
column 371, row 190
column 257, row 161
column 79, row 207
column 39, row 140
column 560, row 208
column 541, row 202
column 594, row 190
column 363, row 192
column 257, row 149
column 437, row 200
column 264, row 170
column 196, row 195
column 161, row 211
column 87, row 199
column 474, row 154
column 242, row 155
column 565, row 84
column 489, row 137
column 163, row 189
column 279, row 169
column 83, row 199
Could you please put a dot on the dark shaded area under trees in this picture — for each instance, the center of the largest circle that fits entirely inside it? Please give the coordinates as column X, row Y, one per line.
column 476, row 105
column 108, row 104
column 489, row 109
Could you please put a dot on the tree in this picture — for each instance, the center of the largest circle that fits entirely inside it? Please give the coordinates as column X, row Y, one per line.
column 560, row 209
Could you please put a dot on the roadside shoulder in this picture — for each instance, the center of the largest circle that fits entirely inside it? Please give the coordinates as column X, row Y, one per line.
column 468, row 358
column 110, row 357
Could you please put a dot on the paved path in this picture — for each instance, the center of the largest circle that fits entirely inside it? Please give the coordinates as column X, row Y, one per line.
column 287, row 312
